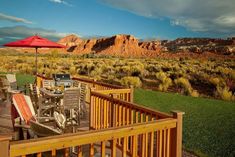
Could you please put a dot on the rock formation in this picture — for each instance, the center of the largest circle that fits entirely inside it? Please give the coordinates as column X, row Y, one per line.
column 118, row 45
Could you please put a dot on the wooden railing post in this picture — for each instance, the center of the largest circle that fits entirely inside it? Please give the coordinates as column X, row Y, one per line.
column 132, row 94
column 178, row 133
column 4, row 145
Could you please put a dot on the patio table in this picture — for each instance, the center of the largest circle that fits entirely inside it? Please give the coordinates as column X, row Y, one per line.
column 49, row 93
column 51, row 96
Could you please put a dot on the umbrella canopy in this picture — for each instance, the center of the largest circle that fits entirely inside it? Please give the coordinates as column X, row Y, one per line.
column 35, row 42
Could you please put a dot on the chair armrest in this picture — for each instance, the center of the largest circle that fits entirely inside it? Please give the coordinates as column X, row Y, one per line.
column 22, row 126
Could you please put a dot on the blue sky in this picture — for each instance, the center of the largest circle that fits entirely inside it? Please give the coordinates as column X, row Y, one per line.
column 145, row 19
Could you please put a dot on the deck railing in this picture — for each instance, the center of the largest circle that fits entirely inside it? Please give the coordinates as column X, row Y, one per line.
column 90, row 82
column 97, row 85
column 149, row 139
column 122, row 94
column 107, row 111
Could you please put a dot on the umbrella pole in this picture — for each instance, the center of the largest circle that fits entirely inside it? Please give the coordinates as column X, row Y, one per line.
column 36, row 55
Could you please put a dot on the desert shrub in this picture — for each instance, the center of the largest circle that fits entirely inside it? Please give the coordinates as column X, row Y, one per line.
column 96, row 73
column 165, row 81
column 186, row 87
column 72, row 70
column 224, row 93
column 131, row 81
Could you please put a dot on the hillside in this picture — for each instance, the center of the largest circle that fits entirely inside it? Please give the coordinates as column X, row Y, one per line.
column 128, row 45
column 122, row 45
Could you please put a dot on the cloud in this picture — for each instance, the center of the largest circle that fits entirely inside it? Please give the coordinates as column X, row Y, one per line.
column 196, row 15
column 8, row 34
column 13, row 19
column 61, row 2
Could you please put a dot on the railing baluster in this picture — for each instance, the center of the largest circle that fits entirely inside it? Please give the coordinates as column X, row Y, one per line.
column 168, row 142
column 124, row 116
column 105, row 113
column 136, row 116
column 39, row 154
column 134, row 146
column 66, row 152
column 79, row 151
column 103, row 149
column 124, row 146
column 102, row 114
column 159, row 143
column 151, row 144
column 120, row 115
column 92, row 151
column 95, row 112
column 127, row 115
column 98, row 124
column 132, row 116
column 146, row 144
column 143, row 142
column 164, row 142
column 116, row 114
column 113, row 147
column 53, row 153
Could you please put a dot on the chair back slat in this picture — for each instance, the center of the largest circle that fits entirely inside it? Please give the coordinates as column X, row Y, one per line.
column 24, row 107
column 48, row 83
column 71, row 98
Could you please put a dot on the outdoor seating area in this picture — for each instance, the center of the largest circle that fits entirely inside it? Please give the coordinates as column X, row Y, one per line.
column 82, row 117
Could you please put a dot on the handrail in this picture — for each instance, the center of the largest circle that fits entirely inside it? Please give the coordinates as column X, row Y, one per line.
column 123, row 94
column 90, row 81
column 134, row 134
column 44, row 77
column 131, row 105
column 108, row 86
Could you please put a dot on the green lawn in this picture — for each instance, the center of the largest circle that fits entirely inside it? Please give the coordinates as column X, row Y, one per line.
column 22, row 79
column 209, row 125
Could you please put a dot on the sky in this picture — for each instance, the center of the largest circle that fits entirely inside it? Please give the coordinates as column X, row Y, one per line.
column 145, row 19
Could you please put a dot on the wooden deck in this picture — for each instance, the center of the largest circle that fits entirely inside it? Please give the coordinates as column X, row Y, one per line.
column 117, row 127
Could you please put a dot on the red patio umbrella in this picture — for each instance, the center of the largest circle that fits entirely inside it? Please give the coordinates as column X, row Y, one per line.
column 35, row 42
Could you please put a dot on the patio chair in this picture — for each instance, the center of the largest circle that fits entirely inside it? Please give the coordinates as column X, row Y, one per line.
column 3, row 89
column 12, row 86
column 41, row 126
column 48, row 83
column 34, row 95
column 71, row 106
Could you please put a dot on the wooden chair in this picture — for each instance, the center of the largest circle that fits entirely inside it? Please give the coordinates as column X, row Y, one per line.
column 34, row 95
column 29, row 119
column 71, row 106
column 76, row 84
column 12, row 86
column 48, row 83
column 12, row 81
column 3, row 89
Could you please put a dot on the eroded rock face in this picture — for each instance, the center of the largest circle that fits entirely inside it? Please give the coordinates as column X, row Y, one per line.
column 118, row 45
column 151, row 45
column 129, row 46
column 70, row 40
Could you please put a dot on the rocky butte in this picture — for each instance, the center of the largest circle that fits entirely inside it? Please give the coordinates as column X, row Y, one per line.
column 118, row 45
column 127, row 46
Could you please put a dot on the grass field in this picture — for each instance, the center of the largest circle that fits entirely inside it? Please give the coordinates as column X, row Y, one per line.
column 209, row 125
column 22, row 79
